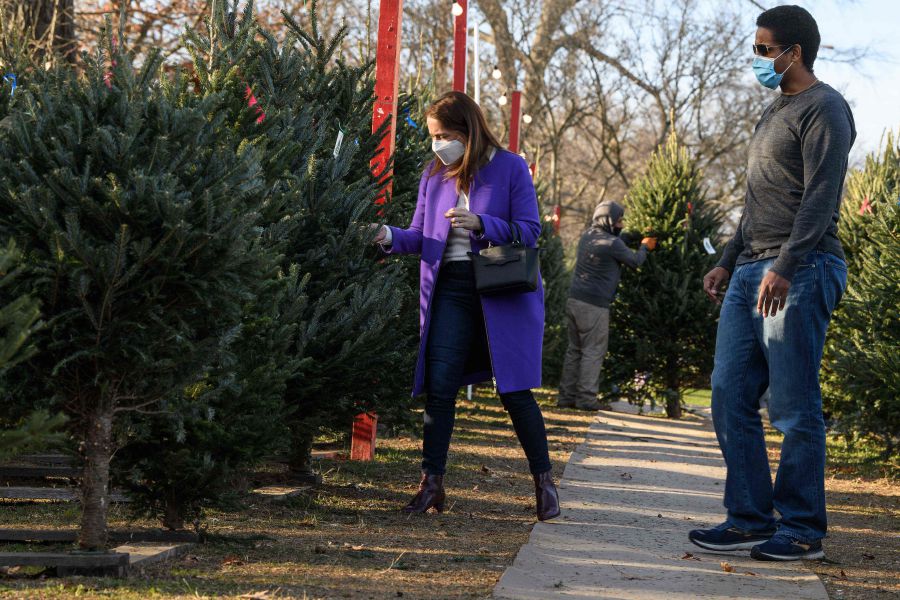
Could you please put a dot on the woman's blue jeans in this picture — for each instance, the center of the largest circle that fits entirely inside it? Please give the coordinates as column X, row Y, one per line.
column 456, row 333
column 781, row 353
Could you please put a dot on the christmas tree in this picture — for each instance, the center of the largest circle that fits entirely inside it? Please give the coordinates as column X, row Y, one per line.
column 140, row 230
column 314, row 130
column 556, row 278
column 662, row 326
column 861, row 369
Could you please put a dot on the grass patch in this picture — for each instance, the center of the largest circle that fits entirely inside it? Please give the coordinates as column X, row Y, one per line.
column 698, row 397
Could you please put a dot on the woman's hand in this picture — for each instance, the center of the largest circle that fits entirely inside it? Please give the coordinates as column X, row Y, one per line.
column 382, row 232
column 461, row 217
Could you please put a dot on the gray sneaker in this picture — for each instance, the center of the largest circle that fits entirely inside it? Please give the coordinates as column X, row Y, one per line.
column 562, row 402
column 594, row 406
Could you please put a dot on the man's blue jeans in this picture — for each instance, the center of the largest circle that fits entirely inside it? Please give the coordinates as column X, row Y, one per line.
column 782, row 353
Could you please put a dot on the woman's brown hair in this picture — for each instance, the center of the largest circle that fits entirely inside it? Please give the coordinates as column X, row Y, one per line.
column 458, row 112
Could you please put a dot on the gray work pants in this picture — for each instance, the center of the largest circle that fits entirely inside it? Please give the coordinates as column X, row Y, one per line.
column 588, row 341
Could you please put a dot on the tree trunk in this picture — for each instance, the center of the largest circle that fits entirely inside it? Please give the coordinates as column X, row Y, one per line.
column 173, row 515
column 300, row 460
column 673, row 404
column 95, row 481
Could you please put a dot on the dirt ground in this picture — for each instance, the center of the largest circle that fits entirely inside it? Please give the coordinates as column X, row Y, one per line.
column 862, row 549
column 348, row 539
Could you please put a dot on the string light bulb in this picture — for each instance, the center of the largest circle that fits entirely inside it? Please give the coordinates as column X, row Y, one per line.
column 502, row 100
column 496, row 74
column 457, row 9
column 527, row 118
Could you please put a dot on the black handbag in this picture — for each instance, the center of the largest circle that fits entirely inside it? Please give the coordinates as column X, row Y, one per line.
column 511, row 269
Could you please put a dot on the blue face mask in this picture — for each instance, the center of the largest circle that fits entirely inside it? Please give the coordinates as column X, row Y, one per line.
column 764, row 68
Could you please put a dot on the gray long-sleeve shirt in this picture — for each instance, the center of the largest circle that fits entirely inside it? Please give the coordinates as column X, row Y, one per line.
column 795, row 175
column 598, row 266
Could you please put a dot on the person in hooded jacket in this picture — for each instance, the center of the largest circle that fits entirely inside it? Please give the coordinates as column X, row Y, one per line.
column 598, row 267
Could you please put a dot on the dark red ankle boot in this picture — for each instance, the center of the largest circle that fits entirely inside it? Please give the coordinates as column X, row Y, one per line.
column 430, row 494
column 547, row 497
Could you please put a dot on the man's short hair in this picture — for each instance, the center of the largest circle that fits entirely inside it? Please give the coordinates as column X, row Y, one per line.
column 793, row 24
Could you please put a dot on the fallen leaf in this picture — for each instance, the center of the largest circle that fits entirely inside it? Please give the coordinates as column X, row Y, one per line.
column 750, row 573
column 726, row 567
column 689, row 556
column 868, row 556
column 232, row 560
column 484, row 469
column 626, row 476
column 843, row 575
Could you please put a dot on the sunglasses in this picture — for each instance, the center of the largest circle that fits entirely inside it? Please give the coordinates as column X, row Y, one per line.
column 764, row 49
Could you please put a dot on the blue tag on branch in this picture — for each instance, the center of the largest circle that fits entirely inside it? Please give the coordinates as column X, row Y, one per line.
column 13, row 82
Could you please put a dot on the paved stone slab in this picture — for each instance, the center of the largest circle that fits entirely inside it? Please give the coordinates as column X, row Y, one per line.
column 630, row 493
column 143, row 554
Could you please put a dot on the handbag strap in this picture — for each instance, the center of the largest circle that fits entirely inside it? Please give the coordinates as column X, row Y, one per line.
column 516, row 232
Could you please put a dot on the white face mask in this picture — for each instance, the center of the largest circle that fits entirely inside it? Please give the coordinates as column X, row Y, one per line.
column 449, row 151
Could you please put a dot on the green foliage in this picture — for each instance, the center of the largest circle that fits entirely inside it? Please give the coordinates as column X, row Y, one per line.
column 861, row 370
column 662, row 325
column 139, row 224
column 18, row 320
column 331, row 341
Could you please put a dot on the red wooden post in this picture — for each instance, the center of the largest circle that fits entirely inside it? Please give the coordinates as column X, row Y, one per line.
column 387, row 77
column 460, row 25
column 363, row 443
column 515, row 114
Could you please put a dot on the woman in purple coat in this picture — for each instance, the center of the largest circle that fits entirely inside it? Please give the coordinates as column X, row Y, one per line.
column 467, row 198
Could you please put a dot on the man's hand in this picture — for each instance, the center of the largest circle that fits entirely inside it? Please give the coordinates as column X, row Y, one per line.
column 773, row 292
column 714, row 281
column 461, row 217
column 382, row 232
column 650, row 242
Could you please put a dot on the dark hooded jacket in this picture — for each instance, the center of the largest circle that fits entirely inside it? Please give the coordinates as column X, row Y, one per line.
column 601, row 254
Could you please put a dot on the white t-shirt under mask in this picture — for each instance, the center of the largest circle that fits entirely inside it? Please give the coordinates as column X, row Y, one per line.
column 458, row 241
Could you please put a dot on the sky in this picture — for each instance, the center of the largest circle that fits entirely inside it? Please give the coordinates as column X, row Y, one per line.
column 872, row 87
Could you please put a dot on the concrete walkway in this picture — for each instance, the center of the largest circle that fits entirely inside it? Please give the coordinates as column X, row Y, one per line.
column 630, row 494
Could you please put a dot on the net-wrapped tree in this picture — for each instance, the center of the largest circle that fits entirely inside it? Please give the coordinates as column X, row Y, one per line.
column 861, row 369
column 140, row 231
column 662, row 326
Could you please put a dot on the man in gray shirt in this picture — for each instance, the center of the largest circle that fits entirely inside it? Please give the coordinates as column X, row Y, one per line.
column 598, row 267
column 785, row 273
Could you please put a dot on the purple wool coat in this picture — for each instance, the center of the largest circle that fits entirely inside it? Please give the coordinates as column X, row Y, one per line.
column 501, row 192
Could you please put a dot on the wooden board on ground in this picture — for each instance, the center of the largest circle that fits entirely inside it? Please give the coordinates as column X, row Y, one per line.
column 280, row 492
column 69, row 563
column 143, row 554
column 58, row 460
column 35, row 472
column 60, row 494
column 118, row 536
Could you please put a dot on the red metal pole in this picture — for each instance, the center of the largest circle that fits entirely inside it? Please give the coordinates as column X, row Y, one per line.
column 515, row 114
column 460, row 25
column 387, row 77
